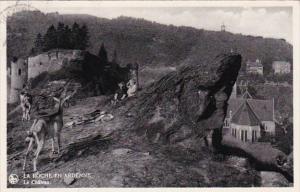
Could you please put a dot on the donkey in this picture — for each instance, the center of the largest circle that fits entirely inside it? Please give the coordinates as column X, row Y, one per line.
column 26, row 102
column 49, row 125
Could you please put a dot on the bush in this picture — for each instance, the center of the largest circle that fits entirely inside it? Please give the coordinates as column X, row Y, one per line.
column 44, row 76
column 284, row 141
column 63, row 73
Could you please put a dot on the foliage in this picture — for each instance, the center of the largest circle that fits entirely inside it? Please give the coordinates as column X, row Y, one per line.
column 38, row 44
column 75, row 38
column 39, row 79
column 84, row 38
column 255, row 78
column 103, row 54
column 50, row 39
column 283, row 140
column 279, row 78
column 62, row 37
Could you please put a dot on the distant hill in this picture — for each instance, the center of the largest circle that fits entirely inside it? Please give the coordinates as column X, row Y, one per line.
column 150, row 44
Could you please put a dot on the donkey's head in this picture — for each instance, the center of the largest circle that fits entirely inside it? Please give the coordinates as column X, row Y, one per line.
column 59, row 102
column 62, row 98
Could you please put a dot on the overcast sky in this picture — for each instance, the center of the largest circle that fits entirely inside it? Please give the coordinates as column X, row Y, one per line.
column 273, row 22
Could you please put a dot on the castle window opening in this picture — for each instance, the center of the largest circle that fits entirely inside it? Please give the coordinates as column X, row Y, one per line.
column 41, row 63
column 19, row 72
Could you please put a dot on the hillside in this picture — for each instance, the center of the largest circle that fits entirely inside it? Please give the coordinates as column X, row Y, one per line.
column 154, row 139
column 149, row 43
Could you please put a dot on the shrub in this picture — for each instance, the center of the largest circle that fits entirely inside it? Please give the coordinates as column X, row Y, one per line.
column 39, row 79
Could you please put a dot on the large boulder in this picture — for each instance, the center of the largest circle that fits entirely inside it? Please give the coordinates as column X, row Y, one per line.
column 189, row 103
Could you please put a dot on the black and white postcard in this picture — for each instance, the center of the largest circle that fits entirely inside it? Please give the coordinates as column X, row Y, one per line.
column 148, row 94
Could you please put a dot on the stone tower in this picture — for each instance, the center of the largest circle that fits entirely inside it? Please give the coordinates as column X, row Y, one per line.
column 223, row 28
column 19, row 74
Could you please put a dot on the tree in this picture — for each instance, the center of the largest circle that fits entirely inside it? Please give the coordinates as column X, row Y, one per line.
column 38, row 44
column 67, row 38
column 50, row 39
column 60, row 32
column 103, row 54
column 115, row 57
column 84, row 37
column 75, row 36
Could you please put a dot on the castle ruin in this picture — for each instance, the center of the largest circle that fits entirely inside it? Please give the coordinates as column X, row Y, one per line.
column 18, row 78
column 22, row 70
column 49, row 61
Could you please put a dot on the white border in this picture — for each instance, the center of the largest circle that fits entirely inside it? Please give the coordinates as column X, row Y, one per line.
column 296, row 96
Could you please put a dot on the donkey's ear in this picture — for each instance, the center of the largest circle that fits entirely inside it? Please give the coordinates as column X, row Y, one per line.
column 65, row 99
column 56, row 99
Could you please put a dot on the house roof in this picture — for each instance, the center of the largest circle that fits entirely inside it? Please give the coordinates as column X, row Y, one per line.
column 245, row 116
column 263, row 109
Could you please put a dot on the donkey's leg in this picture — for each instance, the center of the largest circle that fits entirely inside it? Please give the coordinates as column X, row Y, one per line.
column 58, row 142
column 26, row 154
column 37, row 140
column 38, row 150
column 57, row 129
column 27, row 114
column 23, row 113
column 52, row 144
column 28, row 111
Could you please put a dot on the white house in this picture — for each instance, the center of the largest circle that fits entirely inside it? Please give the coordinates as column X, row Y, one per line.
column 281, row 67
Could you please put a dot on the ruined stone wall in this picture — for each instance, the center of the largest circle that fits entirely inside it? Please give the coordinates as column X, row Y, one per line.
column 49, row 61
column 19, row 71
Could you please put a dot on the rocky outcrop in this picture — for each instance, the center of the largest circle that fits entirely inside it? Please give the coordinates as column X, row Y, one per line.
column 190, row 104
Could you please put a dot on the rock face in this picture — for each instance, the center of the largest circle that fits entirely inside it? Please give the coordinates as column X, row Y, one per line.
column 189, row 103
column 273, row 179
